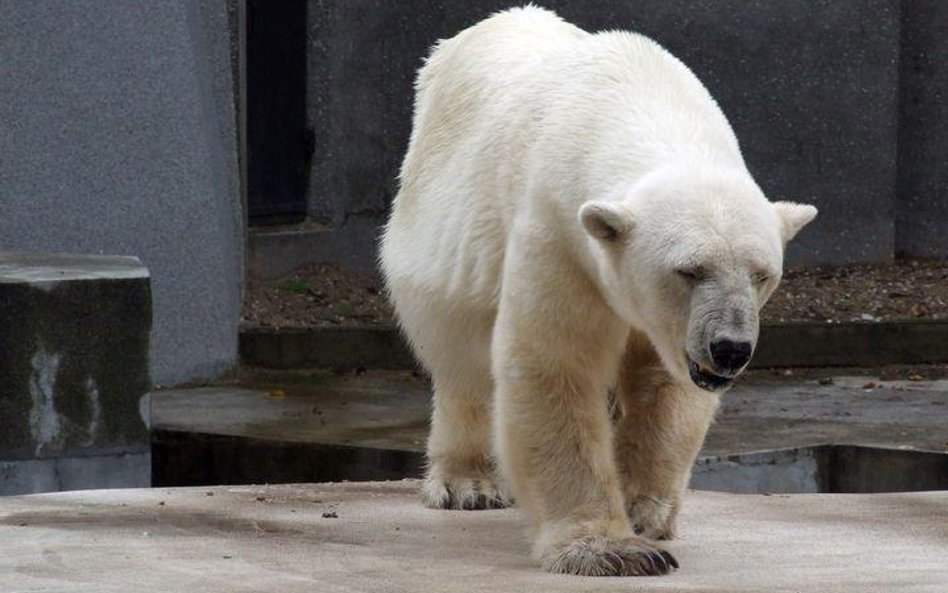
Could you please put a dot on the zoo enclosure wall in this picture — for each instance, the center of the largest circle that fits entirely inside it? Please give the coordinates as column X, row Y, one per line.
column 837, row 103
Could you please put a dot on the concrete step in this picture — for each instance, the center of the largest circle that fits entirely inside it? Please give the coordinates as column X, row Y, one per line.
column 806, row 433
column 273, row 252
column 376, row 537
column 74, row 369
column 781, row 345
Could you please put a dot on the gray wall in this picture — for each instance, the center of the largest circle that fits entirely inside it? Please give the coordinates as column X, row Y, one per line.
column 117, row 137
column 922, row 213
column 811, row 87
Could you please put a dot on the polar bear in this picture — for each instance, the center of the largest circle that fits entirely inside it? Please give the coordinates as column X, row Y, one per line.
column 575, row 218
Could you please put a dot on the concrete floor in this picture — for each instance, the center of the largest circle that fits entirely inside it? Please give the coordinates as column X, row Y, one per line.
column 376, row 537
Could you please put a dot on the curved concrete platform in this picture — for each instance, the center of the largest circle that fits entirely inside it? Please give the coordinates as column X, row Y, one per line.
column 323, row 427
column 376, row 537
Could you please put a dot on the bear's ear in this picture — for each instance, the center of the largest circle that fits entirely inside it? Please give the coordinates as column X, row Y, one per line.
column 606, row 221
column 793, row 217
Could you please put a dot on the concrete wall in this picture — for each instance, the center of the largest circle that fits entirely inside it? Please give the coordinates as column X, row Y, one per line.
column 118, row 138
column 811, row 88
column 922, row 213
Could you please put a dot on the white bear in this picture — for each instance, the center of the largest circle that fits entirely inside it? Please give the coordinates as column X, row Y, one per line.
column 575, row 217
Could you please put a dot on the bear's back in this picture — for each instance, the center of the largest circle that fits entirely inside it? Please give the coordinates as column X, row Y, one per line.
column 523, row 105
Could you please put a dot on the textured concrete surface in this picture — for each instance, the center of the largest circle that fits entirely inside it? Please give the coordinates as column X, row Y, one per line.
column 376, row 537
column 273, row 252
column 45, row 270
column 75, row 337
column 781, row 345
column 327, row 427
column 852, row 344
column 124, row 467
column 810, row 87
column 922, row 207
column 118, row 137
column 325, row 347
column 390, row 410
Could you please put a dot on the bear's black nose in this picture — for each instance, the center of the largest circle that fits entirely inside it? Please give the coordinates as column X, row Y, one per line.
column 730, row 356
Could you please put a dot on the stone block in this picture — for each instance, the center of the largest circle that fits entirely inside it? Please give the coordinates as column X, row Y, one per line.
column 74, row 373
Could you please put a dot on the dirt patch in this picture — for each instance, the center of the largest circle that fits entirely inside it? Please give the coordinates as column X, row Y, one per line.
column 904, row 290
column 317, row 295
column 327, row 295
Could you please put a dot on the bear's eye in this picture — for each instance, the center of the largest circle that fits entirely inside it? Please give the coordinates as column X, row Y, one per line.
column 696, row 274
column 761, row 277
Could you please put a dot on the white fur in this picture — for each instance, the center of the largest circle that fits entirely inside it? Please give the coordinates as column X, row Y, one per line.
column 556, row 185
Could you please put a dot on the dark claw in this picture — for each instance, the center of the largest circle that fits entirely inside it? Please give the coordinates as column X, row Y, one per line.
column 497, row 503
column 652, row 566
column 615, row 562
column 631, row 567
column 670, row 559
column 658, row 558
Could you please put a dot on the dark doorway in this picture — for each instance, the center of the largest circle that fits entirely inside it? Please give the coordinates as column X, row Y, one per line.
column 278, row 144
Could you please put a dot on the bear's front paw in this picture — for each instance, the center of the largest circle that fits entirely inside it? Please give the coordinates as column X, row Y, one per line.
column 463, row 494
column 653, row 518
column 600, row 556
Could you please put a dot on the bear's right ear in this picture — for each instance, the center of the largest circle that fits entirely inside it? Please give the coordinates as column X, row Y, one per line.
column 606, row 221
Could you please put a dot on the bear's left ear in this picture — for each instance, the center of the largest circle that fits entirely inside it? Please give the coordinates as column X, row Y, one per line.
column 793, row 217
column 607, row 221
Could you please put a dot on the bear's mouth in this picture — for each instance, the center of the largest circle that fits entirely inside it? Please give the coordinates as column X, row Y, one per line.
column 706, row 379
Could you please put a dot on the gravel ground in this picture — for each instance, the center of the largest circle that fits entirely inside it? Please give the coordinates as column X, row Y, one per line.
column 904, row 290
column 326, row 295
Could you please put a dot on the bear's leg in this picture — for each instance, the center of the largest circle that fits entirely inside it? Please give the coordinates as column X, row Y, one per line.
column 461, row 473
column 453, row 344
column 658, row 435
column 555, row 440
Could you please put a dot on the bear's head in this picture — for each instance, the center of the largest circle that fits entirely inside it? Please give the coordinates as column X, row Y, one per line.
column 689, row 257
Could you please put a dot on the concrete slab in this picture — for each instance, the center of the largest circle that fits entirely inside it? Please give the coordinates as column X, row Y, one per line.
column 322, row 426
column 377, row 537
column 389, row 409
column 47, row 269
